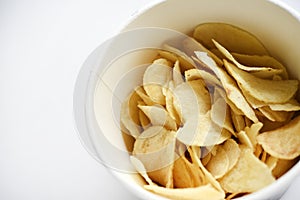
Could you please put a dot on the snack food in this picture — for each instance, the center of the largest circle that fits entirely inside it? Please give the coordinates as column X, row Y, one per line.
column 203, row 118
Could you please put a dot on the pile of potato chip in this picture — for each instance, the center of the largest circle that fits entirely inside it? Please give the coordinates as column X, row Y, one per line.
column 215, row 118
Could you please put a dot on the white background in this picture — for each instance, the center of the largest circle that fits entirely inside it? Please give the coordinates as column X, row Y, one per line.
column 42, row 46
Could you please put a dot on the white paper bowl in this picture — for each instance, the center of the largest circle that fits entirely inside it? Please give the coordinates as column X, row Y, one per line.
column 106, row 77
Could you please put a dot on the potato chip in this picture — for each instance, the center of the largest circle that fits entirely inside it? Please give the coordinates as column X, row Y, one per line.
column 155, row 148
column 232, row 90
column 233, row 38
column 202, row 132
column 205, row 160
column 190, row 45
column 177, row 76
column 141, row 92
column 159, row 116
column 284, row 142
column 191, row 99
column 271, row 162
column 253, row 131
column 291, row 105
column 139, row 166
column 227, row 54
column 173, row 54
column 145, row 122
column 204, row 192
column 282, row 166
column 233, row 152
column 186, row 174
column 264, row 90
column 194, row 74
column 238, row 121
column 277, row 116
column 209, row 177
column 157, row 76
column 263, row 61
column 245, row 140
column 170, row 104
column 130, row 115
column 248, row 175
column 218, row 164
column 218, row 111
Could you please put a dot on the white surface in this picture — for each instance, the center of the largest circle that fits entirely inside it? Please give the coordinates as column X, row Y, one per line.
column 42, row 46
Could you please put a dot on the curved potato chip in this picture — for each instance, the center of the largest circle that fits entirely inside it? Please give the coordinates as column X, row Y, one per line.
column 218, row 165
column 233, row 152
column 253, row 131
column 204, row 192
column 271, row 162
column 173, row 54
column 194, row 74
column 234, row 39
column 232, row 90
column 156, row 76
column 201, row 131
column 190, row 45
column 145, row 122
column 139, row 166
column 170, row 104
column 218, row 112
column 129, row 115
column 238, row 121
column 209, row 177
column 263, row 61
column 282, row 166
column 227, row 54
column 275, row 116
column 248, row 175
column 155, row 148
column 264, row 90
column 159, row 116
column 191, row 99
column 142, row 93
column 245, row 140
column 186, row 174
column 284, row 142
column 177, row 76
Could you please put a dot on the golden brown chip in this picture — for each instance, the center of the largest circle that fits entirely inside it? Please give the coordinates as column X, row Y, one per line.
column 208, row 176
column 190, row 45
column 253, row 131
column 275, row 116
column 218, row 165
column 186, row 174
column 177, row 76
column 265, row 61
column 268, row 91
column 282, row 166
column 130, row 115
column 157, row 76
column 159, row 116
column 175, row 54
column 233, row 38
column 233, row 152
column 155, row 148
column 245, row 140
column 139, row 166
column 145, row 122
column 248, row 175
column 228, row 55
column 284, row 142
column 232, row 90
column 146, row 99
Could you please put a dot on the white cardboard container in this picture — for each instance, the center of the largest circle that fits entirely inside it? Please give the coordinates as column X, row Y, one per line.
column 107, row 76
